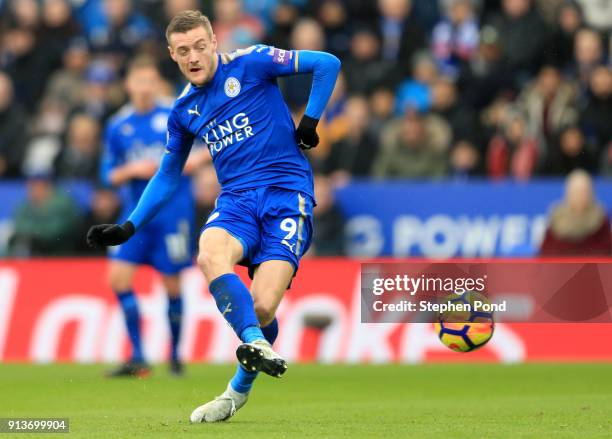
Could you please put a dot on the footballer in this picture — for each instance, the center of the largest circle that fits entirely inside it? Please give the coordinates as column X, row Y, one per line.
column 134, row 143
column 263, row 217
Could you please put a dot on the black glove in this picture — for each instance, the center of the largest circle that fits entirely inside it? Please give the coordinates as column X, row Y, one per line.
column 110, row 234
column 306, row 133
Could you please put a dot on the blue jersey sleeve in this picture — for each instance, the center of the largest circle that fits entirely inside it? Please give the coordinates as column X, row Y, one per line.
column 111, row 156
column 168, row 177
column 178, row 138
column 325, row 68
column 271, row 62
column 268, row 62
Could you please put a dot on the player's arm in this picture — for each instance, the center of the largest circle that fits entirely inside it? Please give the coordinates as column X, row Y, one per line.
column 324, row 68
column 158, row 191
column 140, row 169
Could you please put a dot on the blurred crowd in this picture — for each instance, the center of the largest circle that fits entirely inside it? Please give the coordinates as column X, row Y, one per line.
column 429, row 88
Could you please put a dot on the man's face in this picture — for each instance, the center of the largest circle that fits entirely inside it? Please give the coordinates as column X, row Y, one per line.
column 195, row 52
column 142, row 85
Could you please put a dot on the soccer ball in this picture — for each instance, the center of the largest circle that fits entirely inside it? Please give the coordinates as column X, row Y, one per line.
column 465, row 331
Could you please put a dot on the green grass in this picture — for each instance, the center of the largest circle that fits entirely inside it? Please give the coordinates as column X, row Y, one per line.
column 455, row 401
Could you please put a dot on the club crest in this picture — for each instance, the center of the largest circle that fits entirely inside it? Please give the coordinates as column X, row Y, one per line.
column 232, row 87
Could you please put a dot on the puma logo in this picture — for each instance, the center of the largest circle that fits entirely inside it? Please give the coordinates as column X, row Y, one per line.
column 194, row 111
column 228, row 309
column 284, row 241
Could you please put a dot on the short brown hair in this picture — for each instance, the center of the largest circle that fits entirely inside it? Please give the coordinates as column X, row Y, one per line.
column 141, row 62
column 187, row 20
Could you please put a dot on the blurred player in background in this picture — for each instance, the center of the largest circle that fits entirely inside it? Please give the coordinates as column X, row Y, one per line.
column 134, row 144
column 263, row 217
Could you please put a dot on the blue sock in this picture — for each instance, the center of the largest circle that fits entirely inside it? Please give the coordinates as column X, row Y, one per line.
column 236, row 305
column 271, row 331
column 243, row 380
column 175, row 316
column 129, row 305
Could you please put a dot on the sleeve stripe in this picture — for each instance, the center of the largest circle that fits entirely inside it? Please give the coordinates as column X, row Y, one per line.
column 185, row 90
column 297, row 52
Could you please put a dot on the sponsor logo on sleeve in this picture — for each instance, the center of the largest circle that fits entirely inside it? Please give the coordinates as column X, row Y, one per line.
column 280, row 56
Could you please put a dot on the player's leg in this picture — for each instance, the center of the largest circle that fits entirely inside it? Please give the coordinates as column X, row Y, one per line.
column 286, row 224
column 219, row 252
column 270, row 281
column 172, row 252
column 269, row 284
column 121, row 275
column 172, row 284
column 286, row 229
column 232, row 234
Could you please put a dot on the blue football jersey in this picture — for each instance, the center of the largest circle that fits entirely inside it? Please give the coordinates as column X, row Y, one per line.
column 242, row 118
column 132, row 136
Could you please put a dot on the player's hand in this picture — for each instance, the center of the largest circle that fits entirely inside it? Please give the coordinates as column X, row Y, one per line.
column 144, row 169
column 306, row 133
column 104, row 235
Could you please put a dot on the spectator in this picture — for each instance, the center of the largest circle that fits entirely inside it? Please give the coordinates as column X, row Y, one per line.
column 579, row 225
column 427, row 13
column 105, row 208
column 160, row 12
column 58, row 27
column 353, row 155
column 23, row 14
column 484, row 78
column 523, row 35
column 549, row 103
column 413, row 147
column 23, row 54
column 382, row 104
column 66, row 88
column 12, row 129
column 415, row 93
column 307, row 35
column 402, row 36
column 45, row 224
column 513, row 151
column 41, row 152
column 455, row 39
column 364, row 69
column 549, row 9
column 265, row 10
column 115, row 28
column 595, row 118
column 597, row 14
column 465, row 160
column 332, row 16
column 328, row 237
column 588, row 55
column 102, row 95
column 460, row 117
column 284, row 17
column 363, row 11
column 560, row 48
column 80, row 153
column 570, row 152
column 234, row 28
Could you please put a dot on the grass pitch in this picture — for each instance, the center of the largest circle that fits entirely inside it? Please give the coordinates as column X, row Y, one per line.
column 456, row 401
